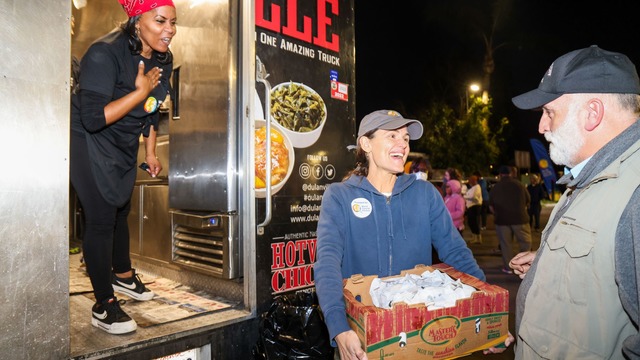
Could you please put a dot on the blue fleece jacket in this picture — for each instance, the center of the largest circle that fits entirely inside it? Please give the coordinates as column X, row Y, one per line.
column 362, row 231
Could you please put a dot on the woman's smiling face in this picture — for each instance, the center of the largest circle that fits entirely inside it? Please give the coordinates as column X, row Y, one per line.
column 389, row 150
column 156, row 28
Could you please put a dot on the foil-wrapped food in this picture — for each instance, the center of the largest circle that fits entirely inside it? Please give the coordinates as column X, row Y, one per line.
column 279, row 157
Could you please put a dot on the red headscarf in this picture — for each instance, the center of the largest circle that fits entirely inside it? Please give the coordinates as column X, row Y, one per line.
column 138, row 7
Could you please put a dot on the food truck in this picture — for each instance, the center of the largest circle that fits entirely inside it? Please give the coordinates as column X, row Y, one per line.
column 230, row 223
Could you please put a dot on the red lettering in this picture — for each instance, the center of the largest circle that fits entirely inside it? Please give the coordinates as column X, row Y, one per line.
column 277, row 255
column 286, row 255
column 323, row 22
column 312, row 250
column 291, row 29
column 275, row 284
column 301, row 245
column 274, row 24
column 291, row 279
column 290, row 254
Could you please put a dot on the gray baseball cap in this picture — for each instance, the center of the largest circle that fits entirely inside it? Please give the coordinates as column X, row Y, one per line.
column 389, row 120
column 588, row 70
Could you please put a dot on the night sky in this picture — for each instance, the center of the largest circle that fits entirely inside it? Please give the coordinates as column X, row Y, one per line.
column 410, row 52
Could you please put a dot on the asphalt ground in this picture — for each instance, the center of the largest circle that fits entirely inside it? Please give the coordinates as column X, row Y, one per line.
column 490, row 260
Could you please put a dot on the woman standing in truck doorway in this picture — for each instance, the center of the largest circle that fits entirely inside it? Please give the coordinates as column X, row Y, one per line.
column 124, row 77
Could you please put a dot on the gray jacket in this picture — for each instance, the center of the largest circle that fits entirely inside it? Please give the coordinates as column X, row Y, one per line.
column 627, row 232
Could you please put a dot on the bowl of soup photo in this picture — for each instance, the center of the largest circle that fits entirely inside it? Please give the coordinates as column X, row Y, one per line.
column 282, row 159
column 299, row 112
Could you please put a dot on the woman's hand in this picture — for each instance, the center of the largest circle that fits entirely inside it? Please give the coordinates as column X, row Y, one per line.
column 349, row 346
column 147, row 82
column 154, row 165
column 119, row 108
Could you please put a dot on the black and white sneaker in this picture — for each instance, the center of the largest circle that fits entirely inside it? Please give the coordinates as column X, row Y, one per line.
column 132, row 287
column 109, row 317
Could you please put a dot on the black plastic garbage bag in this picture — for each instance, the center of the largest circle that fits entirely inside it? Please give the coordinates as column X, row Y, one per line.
column 293, row 328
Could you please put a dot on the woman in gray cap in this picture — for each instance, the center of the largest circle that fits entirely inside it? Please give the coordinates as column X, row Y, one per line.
column 380, row 221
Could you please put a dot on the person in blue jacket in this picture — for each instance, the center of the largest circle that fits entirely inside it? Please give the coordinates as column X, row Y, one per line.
column 380, row 221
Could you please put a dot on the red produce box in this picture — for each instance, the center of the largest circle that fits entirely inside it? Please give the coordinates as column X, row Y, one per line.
column 414, row 332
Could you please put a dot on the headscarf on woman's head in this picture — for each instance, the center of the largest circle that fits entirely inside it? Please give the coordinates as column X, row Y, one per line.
column 139, row 7
column 454, row 185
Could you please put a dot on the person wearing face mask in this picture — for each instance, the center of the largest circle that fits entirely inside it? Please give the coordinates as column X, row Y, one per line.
column 579, row 295
column 124, row 77
column 380, row 221
column 420, row 168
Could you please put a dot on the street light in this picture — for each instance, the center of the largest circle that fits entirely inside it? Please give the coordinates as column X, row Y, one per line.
column 474, row 88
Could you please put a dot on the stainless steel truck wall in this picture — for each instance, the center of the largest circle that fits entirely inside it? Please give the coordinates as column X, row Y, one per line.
column 34, row 200
column 205, row 133
column 204, row 127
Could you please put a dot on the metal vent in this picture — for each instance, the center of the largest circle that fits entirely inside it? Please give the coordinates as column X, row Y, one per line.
column 206, row 243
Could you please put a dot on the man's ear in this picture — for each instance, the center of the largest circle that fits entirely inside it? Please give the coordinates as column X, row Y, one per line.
column 595, row 114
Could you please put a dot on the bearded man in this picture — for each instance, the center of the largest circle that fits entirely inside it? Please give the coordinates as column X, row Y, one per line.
column 579, row 298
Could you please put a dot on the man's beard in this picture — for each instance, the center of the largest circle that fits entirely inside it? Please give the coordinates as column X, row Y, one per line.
column 566, row 140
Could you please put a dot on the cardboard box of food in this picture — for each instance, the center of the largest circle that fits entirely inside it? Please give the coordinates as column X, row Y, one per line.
column 414, row 332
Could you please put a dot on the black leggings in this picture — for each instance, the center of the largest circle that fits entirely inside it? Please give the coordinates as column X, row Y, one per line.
column 473, row 217
column 105, row 243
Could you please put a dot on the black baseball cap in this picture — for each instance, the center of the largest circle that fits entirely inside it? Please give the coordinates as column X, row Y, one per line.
column 588, row 70
column 389, row 120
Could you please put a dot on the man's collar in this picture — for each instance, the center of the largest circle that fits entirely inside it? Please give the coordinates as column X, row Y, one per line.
column 575, row 171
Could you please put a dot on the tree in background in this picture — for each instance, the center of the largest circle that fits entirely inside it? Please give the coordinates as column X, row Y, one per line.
column 464, row 141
